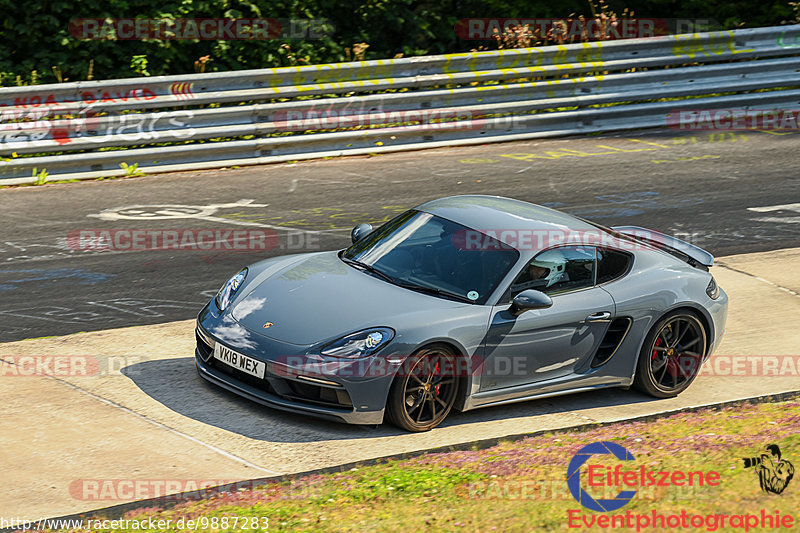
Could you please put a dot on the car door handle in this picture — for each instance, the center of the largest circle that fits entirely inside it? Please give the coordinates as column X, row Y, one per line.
column 598, row 317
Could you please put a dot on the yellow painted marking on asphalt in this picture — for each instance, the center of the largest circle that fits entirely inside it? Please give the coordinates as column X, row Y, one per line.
column 722, row 137
column 771, row 132
column 684, row 140
column 581, row 153
column 685, row 159
column 531, row 157
column 712, row 138
column 625, row 149
column 477, row 161
column 564, row 152
column 648, row 142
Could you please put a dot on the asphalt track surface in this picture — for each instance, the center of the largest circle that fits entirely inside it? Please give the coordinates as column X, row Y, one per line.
column 699, row 186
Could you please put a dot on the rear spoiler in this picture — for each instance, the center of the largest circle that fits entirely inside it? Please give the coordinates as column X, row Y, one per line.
column 690, row 253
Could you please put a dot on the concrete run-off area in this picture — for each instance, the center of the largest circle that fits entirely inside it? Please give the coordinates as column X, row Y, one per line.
column 123, row 415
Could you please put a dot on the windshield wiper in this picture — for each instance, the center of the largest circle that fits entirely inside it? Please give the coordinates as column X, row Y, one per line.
column 369, row 268
column 433, row 290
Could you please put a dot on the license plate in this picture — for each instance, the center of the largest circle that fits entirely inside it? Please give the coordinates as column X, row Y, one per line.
column 238, row 361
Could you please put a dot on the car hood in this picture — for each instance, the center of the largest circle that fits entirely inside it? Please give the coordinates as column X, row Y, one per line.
column 319, row 298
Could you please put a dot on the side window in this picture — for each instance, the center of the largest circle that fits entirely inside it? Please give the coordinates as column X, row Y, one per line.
column 557, row 270
column 611, row 264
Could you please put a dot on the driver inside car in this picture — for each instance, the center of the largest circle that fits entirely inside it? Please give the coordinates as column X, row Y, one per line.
column 543, row 272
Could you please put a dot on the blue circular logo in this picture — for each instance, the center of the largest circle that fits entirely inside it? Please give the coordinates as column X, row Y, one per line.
column 574, row 476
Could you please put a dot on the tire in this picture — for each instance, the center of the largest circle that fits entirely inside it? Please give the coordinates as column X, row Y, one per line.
column 424, row 391
column 672, row 354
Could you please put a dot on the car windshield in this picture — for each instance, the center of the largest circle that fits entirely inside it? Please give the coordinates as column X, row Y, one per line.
column 425, row 252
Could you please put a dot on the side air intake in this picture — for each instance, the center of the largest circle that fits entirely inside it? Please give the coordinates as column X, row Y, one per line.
column 614, row 336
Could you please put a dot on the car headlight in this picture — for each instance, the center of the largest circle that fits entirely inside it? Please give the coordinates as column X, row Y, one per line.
column 359, row 344
column 227, row 291
column 713, row 289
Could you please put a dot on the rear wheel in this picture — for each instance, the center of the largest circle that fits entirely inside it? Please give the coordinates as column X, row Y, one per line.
column 671, row 355
column 424, row 391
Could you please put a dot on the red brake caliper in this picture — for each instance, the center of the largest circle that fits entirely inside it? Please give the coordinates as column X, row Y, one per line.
column 658, row 343
column 436, row 373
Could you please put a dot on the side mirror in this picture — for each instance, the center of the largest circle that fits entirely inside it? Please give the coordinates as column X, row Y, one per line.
column 360, row 231
column 529, row 299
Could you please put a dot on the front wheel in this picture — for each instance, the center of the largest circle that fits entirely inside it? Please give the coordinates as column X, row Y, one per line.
column 424, row 391
column 671, row 355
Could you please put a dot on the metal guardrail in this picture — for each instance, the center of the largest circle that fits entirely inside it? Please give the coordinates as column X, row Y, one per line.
column 87, row 129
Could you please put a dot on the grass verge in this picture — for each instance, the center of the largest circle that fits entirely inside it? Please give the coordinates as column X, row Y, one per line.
column 521, row 485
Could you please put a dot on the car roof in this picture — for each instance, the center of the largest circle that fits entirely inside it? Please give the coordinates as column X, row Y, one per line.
column 483, row 212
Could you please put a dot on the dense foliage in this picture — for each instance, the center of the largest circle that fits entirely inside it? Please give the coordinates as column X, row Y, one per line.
column 37, row 46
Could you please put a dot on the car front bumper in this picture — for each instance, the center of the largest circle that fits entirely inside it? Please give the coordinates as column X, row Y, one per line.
column 293, row 383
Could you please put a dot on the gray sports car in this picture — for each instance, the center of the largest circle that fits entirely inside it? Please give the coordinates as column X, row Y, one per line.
column 463, row 302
